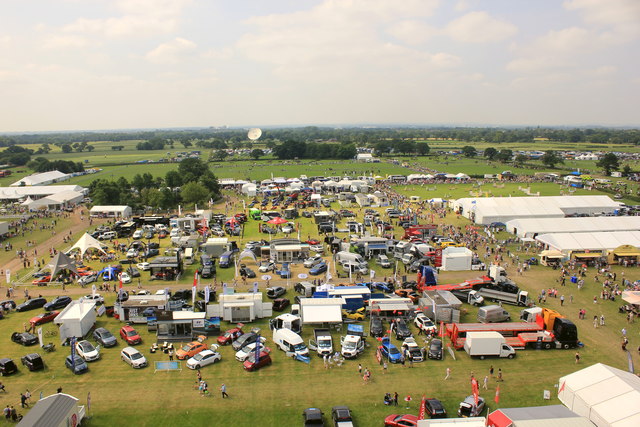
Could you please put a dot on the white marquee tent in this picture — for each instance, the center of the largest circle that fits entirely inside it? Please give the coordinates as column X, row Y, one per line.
column 485, row 210
column 456, row 259
column 529, row 227
column 598, row 241
column 86, row 242
column 606, row 395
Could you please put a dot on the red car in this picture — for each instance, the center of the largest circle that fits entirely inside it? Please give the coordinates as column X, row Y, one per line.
column 130, row 335
column 250, row 364
column 395, row 420
column 42, row 281
column 43, row 318
column 230, row 336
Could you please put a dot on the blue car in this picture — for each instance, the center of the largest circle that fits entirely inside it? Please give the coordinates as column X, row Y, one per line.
column 381, row 286
column 390, row 351
column 318, row 269
column 285, row 273
column 76, row 364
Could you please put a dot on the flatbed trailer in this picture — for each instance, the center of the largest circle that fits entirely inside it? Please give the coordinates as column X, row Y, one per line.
column 457, row 332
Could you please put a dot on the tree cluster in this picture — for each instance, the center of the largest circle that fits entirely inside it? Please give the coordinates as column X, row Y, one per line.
column 294, row 149
column 16, row 155
column 152, row 144
column 40, row 164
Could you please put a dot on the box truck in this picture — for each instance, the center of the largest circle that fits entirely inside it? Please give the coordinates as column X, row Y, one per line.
column 485, row 344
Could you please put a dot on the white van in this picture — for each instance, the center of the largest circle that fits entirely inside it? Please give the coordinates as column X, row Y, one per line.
column 188, row 256
column 108, row 235
column 290, row 342
column 344, row 256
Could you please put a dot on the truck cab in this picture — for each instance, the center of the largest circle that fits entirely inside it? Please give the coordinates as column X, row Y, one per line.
column 322, row 342
column 287, row 321
column 353, row 342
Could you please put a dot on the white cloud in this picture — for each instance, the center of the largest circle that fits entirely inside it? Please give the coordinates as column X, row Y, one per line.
column 139, row 18
column 412, row 32
column 621, row 17
column 171, row 52
column 480, row 27
column 604, row 71
column 65, row 41
column 445, row 60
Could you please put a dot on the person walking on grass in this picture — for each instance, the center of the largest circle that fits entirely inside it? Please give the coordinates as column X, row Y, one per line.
column 448, row 374
column 223, row 390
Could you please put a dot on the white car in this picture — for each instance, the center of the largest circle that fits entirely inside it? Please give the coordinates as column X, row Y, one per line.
column 144, row 266
column 143, row 292
column 311, row 261
column 266, row 266
column 175, row 232
column 87, row 351
column 249, row 349
column 133, row 357
column 99, row 299
column 161, row 292
column 132, row 253
column 411, row 350
column 204, row 358
column 287, row 229
column 424, row 323
column 319, row 248
column 125, row 277
column 137, row 234
column 85, row 280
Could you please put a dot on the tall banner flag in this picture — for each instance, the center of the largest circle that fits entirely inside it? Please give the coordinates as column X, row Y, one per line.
column 88, row 401
column 40, row 339
column 257, row 349
column 207, row 294
column 194, row 288
column 73, row 352
column 255, row 287
column 497, row 398
column 423, row 408
column 93, row 291
column 474, row 390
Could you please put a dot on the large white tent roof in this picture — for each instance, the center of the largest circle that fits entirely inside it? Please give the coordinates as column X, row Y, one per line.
column 607, row 396
column 596, row 241
column 87, row 241
column 527, row 227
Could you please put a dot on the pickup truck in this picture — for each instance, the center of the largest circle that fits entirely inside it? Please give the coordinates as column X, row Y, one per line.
column 322, row 342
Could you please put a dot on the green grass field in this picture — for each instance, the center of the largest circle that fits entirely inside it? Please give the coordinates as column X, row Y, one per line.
column 276, row 395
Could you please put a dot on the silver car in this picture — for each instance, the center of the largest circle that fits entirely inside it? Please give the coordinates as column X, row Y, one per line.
column 133, row 357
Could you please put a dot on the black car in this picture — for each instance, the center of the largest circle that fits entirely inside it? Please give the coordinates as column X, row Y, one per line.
column 207, row 271
column 341, row 414
column 7, row 367
column 33, row 361
column 104, row 337
column 279, row 304
column 244, row 339
column 376, row 329
column 151, row 253
column 435, row 409
column 312, row 417
column 11, row 304
column 401, row 329
column 57, row 302
column 32, row 304
column 247, row 272
column 133, row 272
column 435, row 349
column 182, row 294
column 24, row 338
column 275, row 292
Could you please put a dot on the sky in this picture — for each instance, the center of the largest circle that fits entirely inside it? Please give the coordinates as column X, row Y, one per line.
column 131, row 64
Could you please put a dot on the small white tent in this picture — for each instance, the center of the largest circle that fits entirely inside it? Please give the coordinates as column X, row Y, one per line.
column 607, row 396
column 456, row 259
column 86, row 242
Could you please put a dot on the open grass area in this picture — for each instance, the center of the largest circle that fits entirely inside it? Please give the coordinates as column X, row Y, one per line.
column 276, row 395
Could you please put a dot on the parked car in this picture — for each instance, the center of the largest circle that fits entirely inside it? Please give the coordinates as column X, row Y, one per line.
column 57, row 302
column 435, row 349
column 279, row 304
column 246, row 339
column 390, row 351
column 33, row 361
column 425, row 324
column 312, row 417
column 132, row 253
column 104, row 337
column 41, row 281
column 381, row 286
column 24, row 338
column 253, row 364
column 31, row 304
column 85, row 280
column 358, row 314
column 468, row 407
column 435, row 409
column 7, row 367
column 43, row 318
column 400, row 328
column 229, row 336
column 383, row 261
column 76, row 364
column 130, row 335
column 247, row 272
column 395, row 420
column 318, row 269
column 144, row 266
column 266, row 266
column 133, row 357
column 133, row 272
column 8, row 302
column 190, row 350
column 244, row 352
column 341, row 416
column 87, row 351
column 376, row 328
column 204, row 358
column 311, row 261
column 275, row 292
column 412, row 350
column 125, row 278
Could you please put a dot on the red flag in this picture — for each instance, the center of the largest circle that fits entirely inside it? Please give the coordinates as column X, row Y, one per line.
column 474, row 390
column 497, row 398
column 195, row 279
column 441, row 329
column 562, row 387
column 423, row 408
column 120, row 279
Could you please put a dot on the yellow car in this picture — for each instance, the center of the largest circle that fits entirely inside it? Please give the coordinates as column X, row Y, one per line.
column 358, row 314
